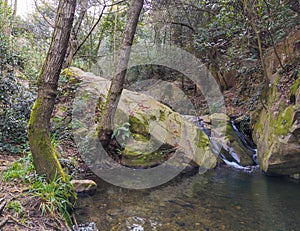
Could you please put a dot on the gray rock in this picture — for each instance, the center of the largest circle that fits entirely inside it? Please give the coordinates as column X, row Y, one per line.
column 84, row 186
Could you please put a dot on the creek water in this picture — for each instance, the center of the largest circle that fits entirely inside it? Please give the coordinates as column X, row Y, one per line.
column 220, row 199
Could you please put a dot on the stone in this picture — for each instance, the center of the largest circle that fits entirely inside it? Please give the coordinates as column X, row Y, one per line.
column 154, row 121
column 225, row 139
column 295, row 176
column 157, row 132
column 84, row 186
column 277, row 136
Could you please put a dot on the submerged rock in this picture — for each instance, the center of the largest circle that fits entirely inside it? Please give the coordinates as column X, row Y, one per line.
column 84, row 186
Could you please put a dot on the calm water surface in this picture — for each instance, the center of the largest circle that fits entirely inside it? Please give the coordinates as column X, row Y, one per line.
column 223, row 199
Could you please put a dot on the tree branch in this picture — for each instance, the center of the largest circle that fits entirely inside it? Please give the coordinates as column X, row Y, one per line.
column 91, row 31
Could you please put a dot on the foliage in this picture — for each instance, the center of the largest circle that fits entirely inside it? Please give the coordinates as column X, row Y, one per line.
column 16, row 207
column 55, row 197
column 106, row 36
column 21, row 169
column 245, row 125
column 15, row 107
column 225, row 32
column 16, row 100
column 122, row 131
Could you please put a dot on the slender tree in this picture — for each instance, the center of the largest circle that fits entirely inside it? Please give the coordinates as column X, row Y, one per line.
column 44, row 156
column 73, row 44
column 118, row 80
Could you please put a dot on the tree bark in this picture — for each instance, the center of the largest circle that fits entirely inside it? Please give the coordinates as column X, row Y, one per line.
column 118, row 80
column 15, row 10
column 44, row 157
column 73, row 43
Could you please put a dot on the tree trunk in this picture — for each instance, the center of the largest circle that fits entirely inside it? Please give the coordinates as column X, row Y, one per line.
column 73, row 44
column 250, row 10
column 15, row 10
column 118, row 80
column 44, row 156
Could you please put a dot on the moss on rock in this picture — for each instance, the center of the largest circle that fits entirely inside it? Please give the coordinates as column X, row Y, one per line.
column 275, row 134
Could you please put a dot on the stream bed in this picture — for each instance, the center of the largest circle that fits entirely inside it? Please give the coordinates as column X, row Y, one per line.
column 220, row 199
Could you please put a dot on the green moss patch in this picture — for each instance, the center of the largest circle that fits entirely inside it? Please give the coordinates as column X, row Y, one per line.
column 295, row 86
column 283, row 122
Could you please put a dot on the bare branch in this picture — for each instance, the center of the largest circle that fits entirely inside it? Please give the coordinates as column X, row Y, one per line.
column 43, row 15
column 91, row 31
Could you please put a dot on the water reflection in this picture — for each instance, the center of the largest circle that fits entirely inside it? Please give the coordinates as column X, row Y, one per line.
column 224, row 199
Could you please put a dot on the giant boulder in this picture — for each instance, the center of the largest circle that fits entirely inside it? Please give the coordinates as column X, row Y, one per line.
column 153, row 127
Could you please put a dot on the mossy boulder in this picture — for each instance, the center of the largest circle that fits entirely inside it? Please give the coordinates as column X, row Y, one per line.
column 165, row 130
column 277, row 134
column 156, row 132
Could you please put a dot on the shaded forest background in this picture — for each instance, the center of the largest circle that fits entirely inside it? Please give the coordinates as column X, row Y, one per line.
column 230, row 37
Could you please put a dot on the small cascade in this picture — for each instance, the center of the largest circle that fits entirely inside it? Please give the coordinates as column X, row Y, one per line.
column 234, row 160
column 244, row 140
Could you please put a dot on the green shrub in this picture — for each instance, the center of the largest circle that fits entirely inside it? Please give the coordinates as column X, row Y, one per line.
column 16, row 207
column 15, row 107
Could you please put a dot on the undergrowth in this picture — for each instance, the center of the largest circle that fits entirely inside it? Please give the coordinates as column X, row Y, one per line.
column 55, row 197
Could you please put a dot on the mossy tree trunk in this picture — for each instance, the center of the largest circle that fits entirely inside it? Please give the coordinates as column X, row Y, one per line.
column 44, row 156
column 118, row 80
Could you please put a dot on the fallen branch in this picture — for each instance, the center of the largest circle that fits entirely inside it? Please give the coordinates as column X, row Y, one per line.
column 3, row 222
column 2, row 204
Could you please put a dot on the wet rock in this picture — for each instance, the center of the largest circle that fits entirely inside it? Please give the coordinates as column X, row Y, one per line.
column 227, row 141
column 86, row 227
column 84, row 186
column 295, row 176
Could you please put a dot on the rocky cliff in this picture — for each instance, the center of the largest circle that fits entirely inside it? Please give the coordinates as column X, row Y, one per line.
column 277, row 131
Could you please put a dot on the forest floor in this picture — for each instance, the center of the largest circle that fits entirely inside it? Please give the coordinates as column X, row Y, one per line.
column 19, row 208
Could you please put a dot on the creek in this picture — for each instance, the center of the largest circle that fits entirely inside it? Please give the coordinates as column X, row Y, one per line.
column 220, row 199
column 229, row 197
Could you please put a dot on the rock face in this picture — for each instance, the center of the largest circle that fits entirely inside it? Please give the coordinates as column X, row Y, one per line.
column 233, row 148
column 288, row 49
column 150, row 132
column 277, row 131
column 277, row 134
